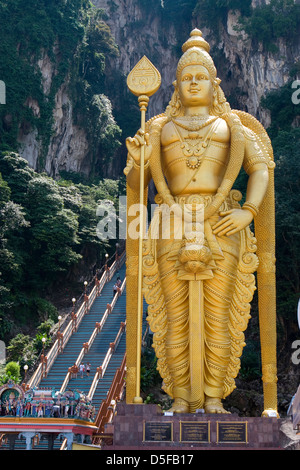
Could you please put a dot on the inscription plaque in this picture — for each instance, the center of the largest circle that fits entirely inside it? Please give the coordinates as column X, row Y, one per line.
column 194, row 431
column 158, row 431
column 232, row 432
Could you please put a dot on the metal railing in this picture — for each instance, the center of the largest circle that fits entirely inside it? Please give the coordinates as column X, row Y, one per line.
column 106, row 411
column 96, row 330
column 100, row 372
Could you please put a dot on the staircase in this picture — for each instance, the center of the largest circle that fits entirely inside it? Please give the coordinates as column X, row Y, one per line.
column 98, row 350
column 101, row 347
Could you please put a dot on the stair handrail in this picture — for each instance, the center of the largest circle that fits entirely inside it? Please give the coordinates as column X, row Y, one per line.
column 114, row 393
column 102, row 369
column 83, row 351
column 57, row 346
column 107, row 312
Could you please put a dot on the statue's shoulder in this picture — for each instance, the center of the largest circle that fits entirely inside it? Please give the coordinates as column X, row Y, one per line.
column 255, row 132
column 156, row 123
column 169, row 134
column 222, row 131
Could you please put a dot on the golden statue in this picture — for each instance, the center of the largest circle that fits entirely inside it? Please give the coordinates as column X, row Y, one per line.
column 198, row 276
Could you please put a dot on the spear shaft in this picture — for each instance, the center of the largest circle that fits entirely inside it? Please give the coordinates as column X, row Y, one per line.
column 143, row 81
column 143, row 102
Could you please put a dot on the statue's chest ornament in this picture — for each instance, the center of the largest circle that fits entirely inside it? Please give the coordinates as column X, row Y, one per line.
column 194, row 145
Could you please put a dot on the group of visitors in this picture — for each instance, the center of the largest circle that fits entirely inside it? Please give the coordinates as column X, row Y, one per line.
column 48, row 407
column 117, row 286
column 82, row 369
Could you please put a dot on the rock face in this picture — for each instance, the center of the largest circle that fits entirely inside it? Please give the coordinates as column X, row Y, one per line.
column 69, row 147
column 256, row 72
column 140, row 31
column 248, row 73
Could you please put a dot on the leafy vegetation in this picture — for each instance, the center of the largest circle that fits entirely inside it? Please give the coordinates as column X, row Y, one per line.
column 11, row 372
column 211, row 12
column 264, row 23
column 46, row 228
column 277, row 19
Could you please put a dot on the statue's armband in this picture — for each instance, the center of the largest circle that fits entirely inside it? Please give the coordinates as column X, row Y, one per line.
column 255, row 153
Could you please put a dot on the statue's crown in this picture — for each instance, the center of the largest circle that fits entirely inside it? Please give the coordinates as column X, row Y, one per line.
column 196, row 51
column 196, row 40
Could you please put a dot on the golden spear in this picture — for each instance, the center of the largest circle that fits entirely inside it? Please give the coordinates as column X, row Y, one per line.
column 143, row 81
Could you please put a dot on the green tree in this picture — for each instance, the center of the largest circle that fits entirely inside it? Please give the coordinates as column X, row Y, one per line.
column 17, row 345
column 50, row 223
column 12, row 370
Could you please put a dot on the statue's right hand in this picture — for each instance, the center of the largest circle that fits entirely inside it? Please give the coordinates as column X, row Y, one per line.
column 135, row 143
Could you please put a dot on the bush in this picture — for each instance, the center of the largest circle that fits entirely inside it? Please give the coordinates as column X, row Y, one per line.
column 45, row 327
column 38, row 343
column 17, row 346
column 12, row 370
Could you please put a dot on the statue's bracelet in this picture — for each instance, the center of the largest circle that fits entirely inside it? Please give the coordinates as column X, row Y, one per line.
column 251, row 207
column 138, row 167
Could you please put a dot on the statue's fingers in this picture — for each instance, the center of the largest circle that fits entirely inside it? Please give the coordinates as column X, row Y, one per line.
column 224, row 228
column 232, row 232
column 224, row 232
column 221, row 222
column 140, row 140
column 223, row 214
column 136, row 141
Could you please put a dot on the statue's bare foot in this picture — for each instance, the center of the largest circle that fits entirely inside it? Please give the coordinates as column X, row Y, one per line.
column 214, row 405
column 179, row 406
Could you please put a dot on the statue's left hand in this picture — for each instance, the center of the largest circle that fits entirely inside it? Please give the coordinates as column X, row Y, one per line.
column 232, row 221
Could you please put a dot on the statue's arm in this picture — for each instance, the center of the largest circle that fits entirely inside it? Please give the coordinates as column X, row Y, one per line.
column 134, row 145
column 152, row 140
column 255, row 164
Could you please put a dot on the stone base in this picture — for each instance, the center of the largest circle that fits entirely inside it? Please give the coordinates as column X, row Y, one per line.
column 144, row 427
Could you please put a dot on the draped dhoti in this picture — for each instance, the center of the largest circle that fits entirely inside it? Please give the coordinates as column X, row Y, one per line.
column 170, row 315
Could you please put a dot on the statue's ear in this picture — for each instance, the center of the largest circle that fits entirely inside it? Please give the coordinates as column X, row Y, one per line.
column 175, row 84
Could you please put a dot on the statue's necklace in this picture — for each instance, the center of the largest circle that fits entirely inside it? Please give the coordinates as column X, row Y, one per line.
column 194, row 125
column 192, row 147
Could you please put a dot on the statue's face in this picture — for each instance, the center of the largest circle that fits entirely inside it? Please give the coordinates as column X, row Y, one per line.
column 195, row 87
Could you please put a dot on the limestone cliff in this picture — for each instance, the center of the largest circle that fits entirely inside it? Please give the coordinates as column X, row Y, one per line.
column 248, row 72
column 68, row 147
